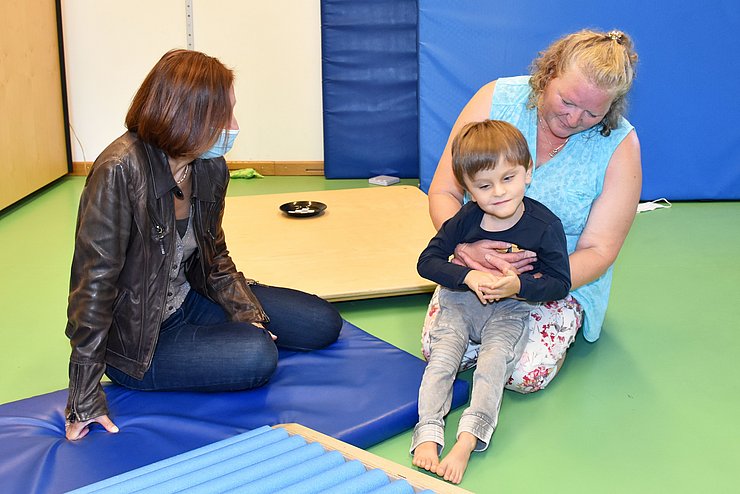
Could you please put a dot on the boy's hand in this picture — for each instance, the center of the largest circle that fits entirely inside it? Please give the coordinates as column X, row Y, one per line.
column 481, row 283
column 506, row 286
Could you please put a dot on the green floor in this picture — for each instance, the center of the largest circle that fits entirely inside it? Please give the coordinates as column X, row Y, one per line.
column 654, row 406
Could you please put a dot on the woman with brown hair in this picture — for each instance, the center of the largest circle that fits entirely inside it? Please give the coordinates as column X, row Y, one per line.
column 155, row 301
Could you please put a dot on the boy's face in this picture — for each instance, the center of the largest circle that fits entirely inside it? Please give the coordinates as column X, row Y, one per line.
column 499, row 191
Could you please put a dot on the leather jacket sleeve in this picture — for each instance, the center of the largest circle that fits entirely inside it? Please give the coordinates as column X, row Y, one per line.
column 226, row 285
column 102, row 235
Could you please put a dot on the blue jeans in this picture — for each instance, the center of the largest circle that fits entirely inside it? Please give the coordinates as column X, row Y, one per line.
column 199, row 349
column 500, row 328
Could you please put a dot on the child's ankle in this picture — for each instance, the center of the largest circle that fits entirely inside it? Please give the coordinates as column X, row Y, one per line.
column 467, row 440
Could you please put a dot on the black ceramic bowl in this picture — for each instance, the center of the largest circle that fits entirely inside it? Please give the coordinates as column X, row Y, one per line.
column 303, row 209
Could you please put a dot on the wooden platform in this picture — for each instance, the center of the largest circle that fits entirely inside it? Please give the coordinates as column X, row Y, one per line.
column 365, row 245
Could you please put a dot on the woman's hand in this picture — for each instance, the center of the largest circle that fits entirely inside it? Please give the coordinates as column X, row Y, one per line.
column 486, row 255
column 78, row 430
column 262, row 326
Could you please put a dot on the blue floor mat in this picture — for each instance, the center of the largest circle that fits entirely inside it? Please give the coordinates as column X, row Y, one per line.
column 360, row 390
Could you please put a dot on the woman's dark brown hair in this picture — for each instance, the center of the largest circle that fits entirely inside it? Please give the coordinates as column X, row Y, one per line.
column 183, row 104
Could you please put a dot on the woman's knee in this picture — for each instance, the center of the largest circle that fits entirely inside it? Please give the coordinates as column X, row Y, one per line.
column 250, row 360
column 328, row 324
column 256, row 367
column 529, row 377
column 300, row 320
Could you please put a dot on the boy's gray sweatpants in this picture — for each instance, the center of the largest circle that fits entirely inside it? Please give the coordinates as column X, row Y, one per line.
column 500, row 328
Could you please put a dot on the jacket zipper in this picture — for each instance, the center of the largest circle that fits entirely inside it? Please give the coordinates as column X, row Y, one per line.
column 160, row 234
column 199, row 226
column 73, row 415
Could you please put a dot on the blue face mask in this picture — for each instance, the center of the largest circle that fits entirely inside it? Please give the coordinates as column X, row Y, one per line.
column 223, row 144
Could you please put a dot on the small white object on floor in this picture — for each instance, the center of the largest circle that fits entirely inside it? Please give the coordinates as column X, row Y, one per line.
column 652, row 205
column 384, row 180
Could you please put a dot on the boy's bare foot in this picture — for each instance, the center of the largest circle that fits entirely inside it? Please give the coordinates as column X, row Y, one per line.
column 454, row 464
column 426, row 457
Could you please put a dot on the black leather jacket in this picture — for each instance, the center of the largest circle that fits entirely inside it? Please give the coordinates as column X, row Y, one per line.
column 124, row 246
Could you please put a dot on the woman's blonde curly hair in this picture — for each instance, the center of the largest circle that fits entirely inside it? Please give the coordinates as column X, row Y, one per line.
column 607, row 60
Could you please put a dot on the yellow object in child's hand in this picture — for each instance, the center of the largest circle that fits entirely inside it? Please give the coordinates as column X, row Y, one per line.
column 513, row 248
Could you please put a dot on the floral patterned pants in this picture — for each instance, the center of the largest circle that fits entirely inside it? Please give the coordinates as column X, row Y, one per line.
column 552, row 329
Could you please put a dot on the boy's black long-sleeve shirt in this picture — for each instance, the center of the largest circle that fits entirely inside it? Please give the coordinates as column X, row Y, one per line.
column 538, row 230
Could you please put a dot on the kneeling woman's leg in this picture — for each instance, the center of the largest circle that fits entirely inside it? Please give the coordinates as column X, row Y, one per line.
column 299, row 320
column 552, row 329
column 199, row 349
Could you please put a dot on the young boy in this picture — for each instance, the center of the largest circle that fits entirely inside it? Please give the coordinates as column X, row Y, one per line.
column 491, row 161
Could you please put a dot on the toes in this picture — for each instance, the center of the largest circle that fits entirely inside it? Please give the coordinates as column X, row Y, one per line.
column 424, row 463
column 452, row 476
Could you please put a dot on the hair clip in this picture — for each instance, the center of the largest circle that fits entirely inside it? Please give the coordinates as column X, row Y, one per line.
column 615, row 36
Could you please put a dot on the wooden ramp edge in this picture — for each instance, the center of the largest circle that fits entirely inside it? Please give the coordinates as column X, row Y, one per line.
column 419, row 481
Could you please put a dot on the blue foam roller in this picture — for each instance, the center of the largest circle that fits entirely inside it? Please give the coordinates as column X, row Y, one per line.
column 243, row 477
column 368, row 481
column 187, row 461
column 328, row 479
column 161, row 472
column 214, row 470
column 315, row 467
column 396, row 487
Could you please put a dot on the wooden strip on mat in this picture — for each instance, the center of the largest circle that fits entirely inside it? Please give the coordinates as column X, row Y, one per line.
column 392, row 469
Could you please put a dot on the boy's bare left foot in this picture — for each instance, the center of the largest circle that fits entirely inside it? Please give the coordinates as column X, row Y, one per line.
column 453, row 466
column 426, row 457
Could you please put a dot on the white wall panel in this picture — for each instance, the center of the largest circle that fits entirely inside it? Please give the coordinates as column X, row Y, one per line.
column 274, row 48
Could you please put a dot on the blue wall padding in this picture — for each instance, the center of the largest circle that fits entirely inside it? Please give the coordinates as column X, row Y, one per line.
column 360, row 390
column 369, row 81
column 684, row 103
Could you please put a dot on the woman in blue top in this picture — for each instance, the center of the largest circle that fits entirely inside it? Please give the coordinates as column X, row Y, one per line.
column 587, row 171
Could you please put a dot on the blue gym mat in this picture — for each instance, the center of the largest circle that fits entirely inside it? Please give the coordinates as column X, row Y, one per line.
column 360, row 390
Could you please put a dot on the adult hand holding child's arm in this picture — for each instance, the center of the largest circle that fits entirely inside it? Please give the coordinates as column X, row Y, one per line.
column 492, row 256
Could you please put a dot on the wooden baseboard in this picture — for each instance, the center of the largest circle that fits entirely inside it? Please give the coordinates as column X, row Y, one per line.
column 284, row 168
column 280, row 167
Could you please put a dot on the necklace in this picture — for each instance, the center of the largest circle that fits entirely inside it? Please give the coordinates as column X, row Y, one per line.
column 183, row 176
column 555, row 149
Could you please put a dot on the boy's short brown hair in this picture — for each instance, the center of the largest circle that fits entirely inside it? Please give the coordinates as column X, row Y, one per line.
column 482, row 145
column 183, row 104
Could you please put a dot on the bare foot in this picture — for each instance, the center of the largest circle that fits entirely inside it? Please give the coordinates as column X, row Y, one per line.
column 426, row 457
column 454, row 464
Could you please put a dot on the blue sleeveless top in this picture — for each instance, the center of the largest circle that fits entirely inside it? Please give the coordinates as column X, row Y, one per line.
column 567, row 184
